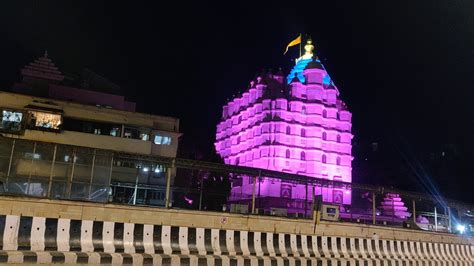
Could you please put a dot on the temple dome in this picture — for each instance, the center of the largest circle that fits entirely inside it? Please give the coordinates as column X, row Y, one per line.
column 309, row 62
column 43, row 68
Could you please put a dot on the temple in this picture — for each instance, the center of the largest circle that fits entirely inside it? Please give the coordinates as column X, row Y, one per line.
column 296, row 124
column 43, row 79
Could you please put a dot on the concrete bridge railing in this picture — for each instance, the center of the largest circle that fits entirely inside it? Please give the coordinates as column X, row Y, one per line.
column 27, row 239
column 68, row 232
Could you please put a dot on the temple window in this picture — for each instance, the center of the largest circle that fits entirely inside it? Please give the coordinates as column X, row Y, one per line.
column 288, row 130
column 303, row 110
column 303, row 156
column 287, row 153
column 324, row 159
column 325, row 114
column 325, row 136
column 338, row 138
column 338, row 161
column 303, row 132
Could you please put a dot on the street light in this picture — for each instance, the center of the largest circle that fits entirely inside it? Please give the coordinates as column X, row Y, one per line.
column 461, row 228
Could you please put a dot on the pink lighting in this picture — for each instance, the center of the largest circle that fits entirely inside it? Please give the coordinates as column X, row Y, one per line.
column 301, row 127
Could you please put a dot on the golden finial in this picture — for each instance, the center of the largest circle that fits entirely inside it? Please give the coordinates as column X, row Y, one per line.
column 308, row 48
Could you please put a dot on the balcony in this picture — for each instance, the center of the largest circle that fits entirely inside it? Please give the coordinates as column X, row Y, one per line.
column 91, row 141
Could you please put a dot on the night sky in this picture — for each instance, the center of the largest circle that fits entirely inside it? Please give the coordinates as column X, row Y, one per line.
column 406, row 71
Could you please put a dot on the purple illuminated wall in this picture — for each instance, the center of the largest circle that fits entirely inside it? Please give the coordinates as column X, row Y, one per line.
column 295, row 124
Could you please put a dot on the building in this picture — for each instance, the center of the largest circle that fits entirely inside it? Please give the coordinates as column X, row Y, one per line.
column 57, row 140
column 296, row 124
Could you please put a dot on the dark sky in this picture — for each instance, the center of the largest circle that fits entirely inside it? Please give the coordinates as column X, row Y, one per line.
column 406, row 70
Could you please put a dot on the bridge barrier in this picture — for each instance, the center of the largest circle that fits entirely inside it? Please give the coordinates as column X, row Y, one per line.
column 31, row 239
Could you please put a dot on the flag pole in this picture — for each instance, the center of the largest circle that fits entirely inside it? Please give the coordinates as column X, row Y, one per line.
column 300, row 43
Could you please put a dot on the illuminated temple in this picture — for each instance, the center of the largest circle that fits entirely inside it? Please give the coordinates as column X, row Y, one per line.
column 296, row 124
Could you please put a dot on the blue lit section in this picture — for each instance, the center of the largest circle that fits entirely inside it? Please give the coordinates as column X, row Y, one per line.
column 298, row 70
column 300, row 66
column 327, row 80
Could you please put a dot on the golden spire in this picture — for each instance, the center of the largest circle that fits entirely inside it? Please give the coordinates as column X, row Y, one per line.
column 308, row 48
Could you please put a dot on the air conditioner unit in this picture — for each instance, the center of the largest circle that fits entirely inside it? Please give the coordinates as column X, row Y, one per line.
column 330, row 212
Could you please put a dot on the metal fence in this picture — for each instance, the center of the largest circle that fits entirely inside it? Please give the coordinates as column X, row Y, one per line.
column 56, row 171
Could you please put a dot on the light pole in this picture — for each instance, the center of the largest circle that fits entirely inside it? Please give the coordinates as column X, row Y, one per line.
column 135, row 190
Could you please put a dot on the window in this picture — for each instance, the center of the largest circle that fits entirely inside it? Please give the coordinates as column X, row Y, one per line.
column 338, row 161
column 162, row 140
column 11, row 120
column 325, row 113
column 115, row 132
column 144, row 136
column 338, row 138
column 130, row 132
column 303, row 132
column 98, row 128
column 159, row 169
column 42, row 120
column 303, row 110
column 303, row 156
column 237, row 161
column 324, row 159
column 325, row 136
column 338, row 116
column 288, row 130
column 237, row 182
column 287, row 153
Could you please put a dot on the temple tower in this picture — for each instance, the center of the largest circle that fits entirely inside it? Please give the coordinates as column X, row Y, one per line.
column 295, row 124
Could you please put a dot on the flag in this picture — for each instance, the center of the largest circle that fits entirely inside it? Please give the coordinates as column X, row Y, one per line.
column 293, row 43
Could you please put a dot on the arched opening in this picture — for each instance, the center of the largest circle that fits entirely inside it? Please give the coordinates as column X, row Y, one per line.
column 338, row 161
column 287, row 153
column 325, row 136
column 288, row 130
column 324, row 159
column 303, row 156
column 303, row 110
column 325, row 113
column 303, row 132
column 339, row 138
